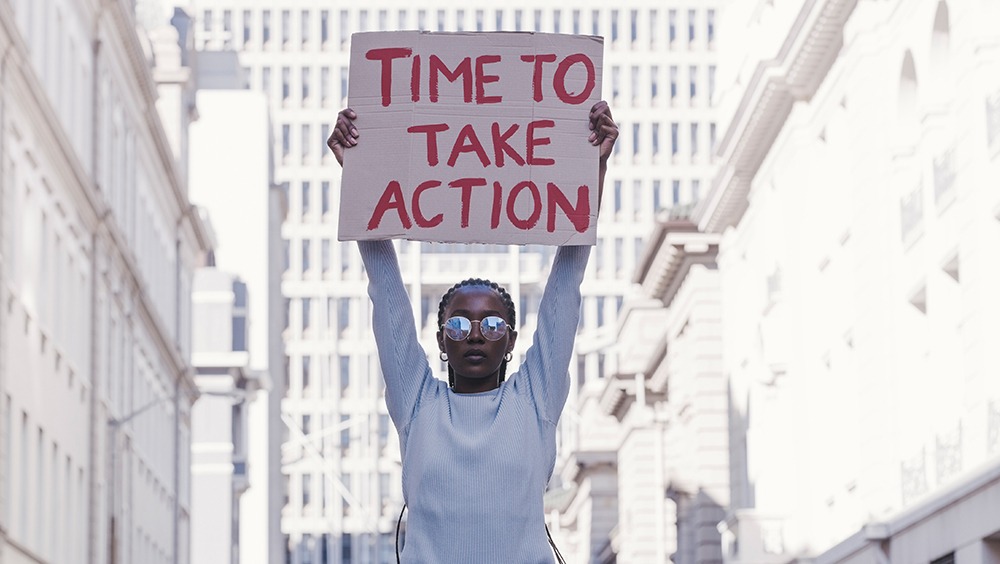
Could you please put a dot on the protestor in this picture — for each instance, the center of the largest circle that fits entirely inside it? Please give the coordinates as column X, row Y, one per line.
column 477, row 451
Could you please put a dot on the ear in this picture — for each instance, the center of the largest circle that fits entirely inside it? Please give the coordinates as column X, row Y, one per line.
column 440, row 340
column 512, row 340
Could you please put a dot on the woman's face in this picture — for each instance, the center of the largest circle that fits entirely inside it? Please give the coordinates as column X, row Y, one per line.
column 476, row 357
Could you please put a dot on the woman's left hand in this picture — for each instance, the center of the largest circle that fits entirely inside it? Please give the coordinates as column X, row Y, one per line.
column 604, row 130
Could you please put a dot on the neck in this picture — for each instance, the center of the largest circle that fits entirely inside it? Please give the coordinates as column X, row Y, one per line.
column 465, row 385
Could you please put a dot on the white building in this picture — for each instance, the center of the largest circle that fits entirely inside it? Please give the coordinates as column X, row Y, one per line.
column 344, row 495
column 231, row 173
column 858, row 224
column 99, row 244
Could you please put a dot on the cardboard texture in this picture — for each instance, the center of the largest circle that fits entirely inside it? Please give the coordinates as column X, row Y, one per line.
column 472, row 137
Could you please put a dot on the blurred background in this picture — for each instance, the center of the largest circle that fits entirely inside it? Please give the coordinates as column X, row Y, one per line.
column 788, row 347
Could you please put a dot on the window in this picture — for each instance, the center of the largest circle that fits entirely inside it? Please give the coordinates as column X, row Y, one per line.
column 673, row 83
column 208, row 22
column 325, row 197
column 657, row 196
column 422, row 20
column 595, row 22
column 383, row 20
column 635, row 139
column 265, row 26
column 618, row 197
column 672, row 26
column 265, row 81
column 286, row 140
column 480, row 20
column 343, row 314
column 691, row 20
column 345, row 26
column 304, row 29
column 634, row 26
column 711, row 83
column 440, row 20
column 306, row 79
column 619, row 255
column 286, row 83
column 306, row 500
column 710, row 26
column 246, row 26
column 401, row 19
column 306, row 248
column 343, row 84
column 345, row 545
column 345, row 383
column 498, row 15
column 306, row 141
column 324, row 84
column 363, row 20
column 616, row 79
column 325, row 255
column 654, row 33
column 305, row 198
column 655, row 138
column 518, row 16
column 306, row 373
column 538, row 20
column 695, row 190
column 556, row 20
column 693, row 80
column 637, row 198
column 711, row 138
column 675, row 129
column 634, row 81
column 286, row 26
column 324, row 26
column 654, row 82
column 460, row 20
column 675, row 189
column 576, row 22
column 694, row 139
column 614, row 26
column 600, row 302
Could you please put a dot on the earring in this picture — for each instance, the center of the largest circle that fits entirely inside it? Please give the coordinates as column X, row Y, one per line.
column 443, row 356
column 508, row 356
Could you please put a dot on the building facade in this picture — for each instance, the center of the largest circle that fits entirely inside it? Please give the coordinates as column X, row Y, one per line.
column 99, row 245
column 344, row 494
column 854, row 213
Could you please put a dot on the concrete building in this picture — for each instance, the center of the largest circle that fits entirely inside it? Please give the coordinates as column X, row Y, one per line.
column 231, row 174
column 99, row 246
column 343, row 493
column 856, row 225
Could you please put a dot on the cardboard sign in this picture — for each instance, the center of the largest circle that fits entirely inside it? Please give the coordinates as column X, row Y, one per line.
column 472, row 137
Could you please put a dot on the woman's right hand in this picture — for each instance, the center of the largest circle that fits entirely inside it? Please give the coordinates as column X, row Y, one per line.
column 344, row 135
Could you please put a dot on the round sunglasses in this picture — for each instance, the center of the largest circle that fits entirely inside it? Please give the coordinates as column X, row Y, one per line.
column 492, row 327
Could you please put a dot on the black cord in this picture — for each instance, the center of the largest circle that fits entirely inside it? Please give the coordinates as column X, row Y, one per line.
column 554, row 547
column 398, row 523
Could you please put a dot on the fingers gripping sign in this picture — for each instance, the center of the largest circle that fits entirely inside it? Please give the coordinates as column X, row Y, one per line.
column 344, row 134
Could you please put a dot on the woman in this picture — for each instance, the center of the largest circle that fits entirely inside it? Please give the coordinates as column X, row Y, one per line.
column 477, row 451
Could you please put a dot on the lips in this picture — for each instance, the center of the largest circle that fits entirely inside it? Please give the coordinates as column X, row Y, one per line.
column 475, row 354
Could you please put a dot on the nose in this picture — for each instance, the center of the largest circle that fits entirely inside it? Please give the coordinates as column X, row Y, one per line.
column 475, row 333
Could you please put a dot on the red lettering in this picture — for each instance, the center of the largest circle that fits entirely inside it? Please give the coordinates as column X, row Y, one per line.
column 386, row 55
column 466, row 184
column 483, row 79
column 497, row 205
column 579, row 215
column 415, row 79
column 467, row 142
column 559, row 81
column 533, row 142
column 524, row 224
column 500, row 145
column 536, row 75
column 418, row 216
column 431, row 130
column 464, row 69
column 392, row 198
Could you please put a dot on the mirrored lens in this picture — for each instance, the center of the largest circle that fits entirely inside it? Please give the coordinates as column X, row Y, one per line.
column 493, row 328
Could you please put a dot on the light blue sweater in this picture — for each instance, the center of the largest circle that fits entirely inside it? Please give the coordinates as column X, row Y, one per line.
column 475, row 466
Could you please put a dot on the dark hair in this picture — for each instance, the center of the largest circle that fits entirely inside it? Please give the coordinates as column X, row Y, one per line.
column 480, row 283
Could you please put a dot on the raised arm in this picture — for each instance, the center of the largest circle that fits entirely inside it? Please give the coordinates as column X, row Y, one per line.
column 546, row 363
column 403, row 360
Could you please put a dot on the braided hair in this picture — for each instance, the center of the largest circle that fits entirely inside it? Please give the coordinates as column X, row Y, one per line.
column 478, row 283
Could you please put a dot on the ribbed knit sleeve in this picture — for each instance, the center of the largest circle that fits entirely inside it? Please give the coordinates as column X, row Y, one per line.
column 403, row 360
column 546, row 363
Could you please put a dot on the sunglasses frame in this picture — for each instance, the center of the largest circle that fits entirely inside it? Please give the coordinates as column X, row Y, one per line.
column 480, row 322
